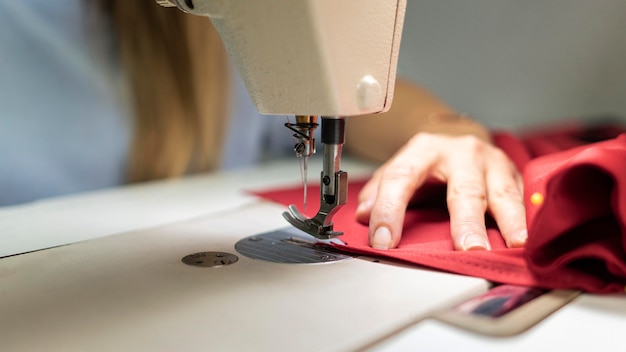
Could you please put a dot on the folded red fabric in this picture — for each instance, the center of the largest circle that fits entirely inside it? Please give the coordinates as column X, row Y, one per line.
column 576, row 219
column 575, row 207
column 578, row 233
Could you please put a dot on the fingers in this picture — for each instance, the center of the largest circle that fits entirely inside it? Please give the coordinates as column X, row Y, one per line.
column 467, row 200
column 485, row 180
column 505, row 194
column 479, row 176
column 397, row 181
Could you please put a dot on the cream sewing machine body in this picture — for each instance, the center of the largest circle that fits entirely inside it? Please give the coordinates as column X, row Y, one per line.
column 312, row 58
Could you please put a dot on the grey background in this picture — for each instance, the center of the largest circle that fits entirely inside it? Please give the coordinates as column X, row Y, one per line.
column 514, row 63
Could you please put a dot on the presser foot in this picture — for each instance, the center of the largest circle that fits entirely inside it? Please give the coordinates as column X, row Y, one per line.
column 314, row 226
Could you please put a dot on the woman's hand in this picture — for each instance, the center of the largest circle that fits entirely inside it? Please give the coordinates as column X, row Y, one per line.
column 479, row 178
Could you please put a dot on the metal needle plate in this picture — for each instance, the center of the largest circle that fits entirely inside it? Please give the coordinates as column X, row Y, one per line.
column 288, row 245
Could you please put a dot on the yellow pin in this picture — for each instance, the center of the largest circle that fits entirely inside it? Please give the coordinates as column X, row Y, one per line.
column 536, row 198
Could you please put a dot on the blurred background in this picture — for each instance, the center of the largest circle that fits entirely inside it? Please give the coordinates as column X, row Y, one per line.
column 511, row 64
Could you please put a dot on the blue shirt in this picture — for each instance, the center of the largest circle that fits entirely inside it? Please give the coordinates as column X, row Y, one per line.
column 65, row 126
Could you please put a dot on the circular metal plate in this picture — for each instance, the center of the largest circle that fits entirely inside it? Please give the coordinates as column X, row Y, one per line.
column 210, row 259
column 288, row 245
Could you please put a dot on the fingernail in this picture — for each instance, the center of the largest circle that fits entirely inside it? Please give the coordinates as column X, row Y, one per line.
column 381, row 238
column 473, row 242
column 522, row 237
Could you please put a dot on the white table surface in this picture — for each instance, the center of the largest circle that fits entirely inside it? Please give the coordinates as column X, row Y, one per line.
column 589, row 323
column 58, row 221
column 115, row 281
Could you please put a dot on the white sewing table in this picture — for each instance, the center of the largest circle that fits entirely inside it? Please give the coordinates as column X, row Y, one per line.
column 102, row 271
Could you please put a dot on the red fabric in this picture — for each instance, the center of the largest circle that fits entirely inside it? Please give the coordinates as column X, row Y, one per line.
column 577, row 236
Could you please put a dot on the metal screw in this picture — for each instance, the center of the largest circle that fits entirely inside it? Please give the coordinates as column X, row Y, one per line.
column 299, row 148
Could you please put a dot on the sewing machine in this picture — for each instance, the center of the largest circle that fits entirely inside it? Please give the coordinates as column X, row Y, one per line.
column 312, row 58
column 102, row 271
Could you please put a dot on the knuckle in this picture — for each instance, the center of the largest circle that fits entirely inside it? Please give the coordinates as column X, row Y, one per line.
column 384, row 209
column 397, row 172
column 386, row 206
column 466, row 196
column 466, row 189
column 469, row 225
column 507, row 193
column 408, row 170
column 425, row 141
column 500, row 156
column 472, row 144
column 469, row 222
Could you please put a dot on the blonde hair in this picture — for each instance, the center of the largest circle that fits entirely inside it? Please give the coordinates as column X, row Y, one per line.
column 177, row 70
